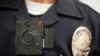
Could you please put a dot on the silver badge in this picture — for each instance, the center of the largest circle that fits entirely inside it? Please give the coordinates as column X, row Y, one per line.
column 81, row 41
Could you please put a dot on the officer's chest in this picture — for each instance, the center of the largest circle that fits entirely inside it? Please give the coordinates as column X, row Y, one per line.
column 70, row 33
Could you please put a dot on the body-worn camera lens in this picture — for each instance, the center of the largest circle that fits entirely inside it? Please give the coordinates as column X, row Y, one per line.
column 29, row 37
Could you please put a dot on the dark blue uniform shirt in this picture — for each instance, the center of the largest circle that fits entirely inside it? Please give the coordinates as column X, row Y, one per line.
column 65, row 16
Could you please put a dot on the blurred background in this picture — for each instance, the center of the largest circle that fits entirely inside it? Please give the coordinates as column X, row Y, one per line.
column 95, row 4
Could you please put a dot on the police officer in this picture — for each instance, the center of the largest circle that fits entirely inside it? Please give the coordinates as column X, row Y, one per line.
column 75, row 26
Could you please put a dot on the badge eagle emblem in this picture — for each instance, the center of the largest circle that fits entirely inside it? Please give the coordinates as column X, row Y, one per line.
column 81, row 41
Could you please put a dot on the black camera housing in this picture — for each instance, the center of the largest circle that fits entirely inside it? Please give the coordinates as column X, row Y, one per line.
column 32, row 37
